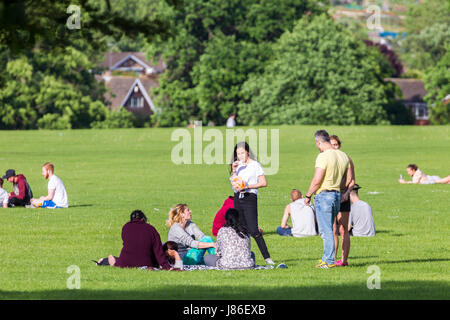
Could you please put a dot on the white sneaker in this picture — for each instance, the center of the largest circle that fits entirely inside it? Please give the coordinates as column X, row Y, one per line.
column 270, row 261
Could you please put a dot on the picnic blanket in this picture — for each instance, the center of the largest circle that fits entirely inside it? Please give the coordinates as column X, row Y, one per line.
column 204, row 267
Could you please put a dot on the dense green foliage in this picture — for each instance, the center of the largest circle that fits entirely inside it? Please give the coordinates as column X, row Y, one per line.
column 217, row 46
column 320, row 74
column 48, row 79
column 437, row 83
column 425, row 49
column 222, row 57
column 109, row 173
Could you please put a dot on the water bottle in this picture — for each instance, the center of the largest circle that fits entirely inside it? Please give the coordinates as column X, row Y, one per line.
column 401, row 177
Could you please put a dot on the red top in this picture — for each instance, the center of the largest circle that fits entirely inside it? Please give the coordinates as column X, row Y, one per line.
column 22, row 185
column 219, row 219
column 141, row 246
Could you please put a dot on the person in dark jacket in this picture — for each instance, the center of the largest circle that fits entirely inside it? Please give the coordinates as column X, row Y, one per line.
column 21, row 194
column 142, row 246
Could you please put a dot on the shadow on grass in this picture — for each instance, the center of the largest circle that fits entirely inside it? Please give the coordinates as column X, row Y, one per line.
column 389, row 290
column 81, row 205
column 398, row 261
column 390, row 233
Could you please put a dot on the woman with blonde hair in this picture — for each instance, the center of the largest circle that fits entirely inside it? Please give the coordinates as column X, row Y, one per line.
column 192, row 242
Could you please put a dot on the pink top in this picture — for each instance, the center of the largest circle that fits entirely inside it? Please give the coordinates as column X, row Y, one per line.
column 219, row 219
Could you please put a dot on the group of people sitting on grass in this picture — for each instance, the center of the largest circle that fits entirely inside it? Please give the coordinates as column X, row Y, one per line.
column 186, row 245
column 21, row 194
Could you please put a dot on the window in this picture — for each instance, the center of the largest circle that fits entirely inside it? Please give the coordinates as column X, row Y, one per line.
column 136, row 102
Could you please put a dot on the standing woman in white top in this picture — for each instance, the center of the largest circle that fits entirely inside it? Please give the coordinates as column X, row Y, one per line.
column 244, row 166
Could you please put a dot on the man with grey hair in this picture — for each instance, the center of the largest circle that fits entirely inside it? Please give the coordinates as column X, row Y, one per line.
column 332, row 167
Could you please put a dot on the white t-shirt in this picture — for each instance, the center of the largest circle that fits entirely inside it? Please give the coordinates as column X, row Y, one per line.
column 303, row 222
column 231, row 123
column 361, row 219
column 60, row 197
column 250, row 173
column 4, row 196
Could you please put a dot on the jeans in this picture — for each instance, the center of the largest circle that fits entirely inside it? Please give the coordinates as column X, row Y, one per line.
column 327, row 207
column 284, row 231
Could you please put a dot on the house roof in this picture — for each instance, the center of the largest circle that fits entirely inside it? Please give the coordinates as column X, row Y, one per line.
column 120, row 88
column 413, row 89
column 113, row 60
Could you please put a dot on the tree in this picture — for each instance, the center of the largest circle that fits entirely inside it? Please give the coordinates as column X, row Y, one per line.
column 425, row 49
column 24, row 23
column 320, row 74
column 49, row 81
column 208, row 33
column 437, row 83
column 426, row 13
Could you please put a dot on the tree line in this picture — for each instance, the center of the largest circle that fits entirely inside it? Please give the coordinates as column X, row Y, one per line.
column 267, row 61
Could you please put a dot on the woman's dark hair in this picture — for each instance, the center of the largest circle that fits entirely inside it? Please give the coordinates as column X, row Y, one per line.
column 170, row 245
column 242, row 144
column 232, row 221
column 335, row 137
column 138, row 214
column 413, row 166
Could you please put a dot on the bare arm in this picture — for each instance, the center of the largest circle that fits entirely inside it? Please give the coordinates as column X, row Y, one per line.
column 205, row 245
column 262, row 182
column 5, row 205
column 285, row 219
column 319, row 174
column 51, row 194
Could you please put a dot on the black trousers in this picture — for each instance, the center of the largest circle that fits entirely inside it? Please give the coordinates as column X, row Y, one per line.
column 248, row 215
column 18, row 202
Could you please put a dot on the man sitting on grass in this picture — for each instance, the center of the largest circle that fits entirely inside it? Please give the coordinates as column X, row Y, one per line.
column 22, row 193
column 360, row 216
column 57, row 195
column 3, row 195
column 302, row 216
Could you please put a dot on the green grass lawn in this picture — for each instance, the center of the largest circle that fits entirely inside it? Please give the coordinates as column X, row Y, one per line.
column 109, row 173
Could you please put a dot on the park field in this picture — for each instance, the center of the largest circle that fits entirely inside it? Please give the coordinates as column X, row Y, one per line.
column 109, row 173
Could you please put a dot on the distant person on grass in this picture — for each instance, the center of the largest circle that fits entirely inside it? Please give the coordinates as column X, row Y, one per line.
column 57, row 195
column 142, row 246
column 21, row 194
column 361, row 218
column 340, row 226
column 302, row 217
column 418, row 177
column 192, row 242
column 4, row 196
column 233, row 245
column 231, row 121
column 332, row 166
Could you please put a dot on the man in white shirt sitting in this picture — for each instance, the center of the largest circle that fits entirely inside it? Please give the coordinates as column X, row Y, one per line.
column 57, row 195
column 302, row 216
column 360, row 219
column 4, row 195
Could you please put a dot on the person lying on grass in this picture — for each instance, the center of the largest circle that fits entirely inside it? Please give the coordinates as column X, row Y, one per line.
column 418, row 177
column 192, row 242
column 142, row 246
column 4, row 196
column 57, row 195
